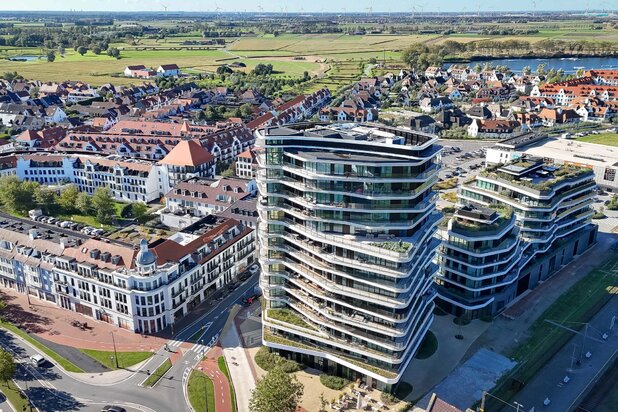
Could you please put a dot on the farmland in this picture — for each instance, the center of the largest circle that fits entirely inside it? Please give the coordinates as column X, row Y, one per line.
column 290, row 54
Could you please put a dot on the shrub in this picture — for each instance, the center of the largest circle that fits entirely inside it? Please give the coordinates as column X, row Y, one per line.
column 268, row 360
column 388, row 398
column 333, row 382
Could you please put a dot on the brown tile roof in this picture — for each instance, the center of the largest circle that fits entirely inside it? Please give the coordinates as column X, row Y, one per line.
column 187, row 153
column 82, row 254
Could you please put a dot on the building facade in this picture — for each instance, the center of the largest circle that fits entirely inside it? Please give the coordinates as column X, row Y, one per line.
column 486, row 261
column 143, row 290
column 346, row 224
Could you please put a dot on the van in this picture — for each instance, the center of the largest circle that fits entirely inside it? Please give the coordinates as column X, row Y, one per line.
column 37, row 360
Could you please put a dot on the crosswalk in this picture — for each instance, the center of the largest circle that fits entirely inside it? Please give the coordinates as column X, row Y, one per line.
column 197, row 347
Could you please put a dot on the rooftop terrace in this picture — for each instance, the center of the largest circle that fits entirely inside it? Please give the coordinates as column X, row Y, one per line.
column 534, row 174
column 370, row 132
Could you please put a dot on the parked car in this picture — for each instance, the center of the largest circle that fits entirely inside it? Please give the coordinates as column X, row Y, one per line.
column 66, row 224
column 253, row 269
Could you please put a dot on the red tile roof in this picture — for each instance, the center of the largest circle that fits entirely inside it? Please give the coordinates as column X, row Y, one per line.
column 187, row 153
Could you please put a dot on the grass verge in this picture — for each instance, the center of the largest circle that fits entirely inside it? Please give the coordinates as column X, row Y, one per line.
column 201, row 392
column 577, row 305
column 59, row 360
column 14, row 395
column 158, row 374
column 223, row 368
column 125, row 359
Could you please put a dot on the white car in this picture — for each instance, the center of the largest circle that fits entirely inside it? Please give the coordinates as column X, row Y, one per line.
column 253, row 269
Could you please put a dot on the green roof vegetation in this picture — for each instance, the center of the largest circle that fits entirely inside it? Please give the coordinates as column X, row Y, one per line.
column 563, row 173
column 288, row 316
column 399, row 247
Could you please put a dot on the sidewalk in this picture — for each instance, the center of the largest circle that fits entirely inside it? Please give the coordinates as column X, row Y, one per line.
column 210, row 367
column 52, row 323
column 239, row 365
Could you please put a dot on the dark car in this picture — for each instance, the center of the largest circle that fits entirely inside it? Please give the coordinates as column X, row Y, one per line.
column 113, row 408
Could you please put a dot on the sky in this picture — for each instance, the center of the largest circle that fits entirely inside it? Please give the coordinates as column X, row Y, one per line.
column 338, row 6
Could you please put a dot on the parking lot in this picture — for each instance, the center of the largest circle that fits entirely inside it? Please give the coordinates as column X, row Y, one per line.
column 468, row 156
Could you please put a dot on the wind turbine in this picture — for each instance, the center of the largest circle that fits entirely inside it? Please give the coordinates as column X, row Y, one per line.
column 369, row 10
column 164, row 7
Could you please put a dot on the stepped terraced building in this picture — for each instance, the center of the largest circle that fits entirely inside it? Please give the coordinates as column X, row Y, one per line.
column 519, row 224
column 346, row 241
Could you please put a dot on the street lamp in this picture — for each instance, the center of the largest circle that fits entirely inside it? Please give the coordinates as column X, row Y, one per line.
column 115, row 352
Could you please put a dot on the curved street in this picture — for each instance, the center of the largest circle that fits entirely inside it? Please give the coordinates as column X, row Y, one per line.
column 51, row 389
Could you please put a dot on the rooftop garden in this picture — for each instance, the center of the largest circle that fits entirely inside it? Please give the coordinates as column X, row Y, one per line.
column 539, row 183
column 288, row 316
column 399, row 247
column 464, row 224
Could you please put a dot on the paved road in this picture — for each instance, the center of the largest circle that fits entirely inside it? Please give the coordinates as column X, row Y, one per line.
column 52, row 390
column 548, row 383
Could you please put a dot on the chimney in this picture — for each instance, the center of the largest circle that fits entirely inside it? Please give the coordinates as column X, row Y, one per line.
column 33, row 234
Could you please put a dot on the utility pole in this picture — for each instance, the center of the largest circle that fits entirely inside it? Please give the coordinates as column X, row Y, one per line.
column 516, row 405
column 115, row 352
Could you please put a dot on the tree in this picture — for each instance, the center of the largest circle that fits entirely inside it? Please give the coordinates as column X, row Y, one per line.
column 61, row 50
column 478, row 68
column 51, row 56
column 96, row 49
column 263, row 69
column 276, row 391
column 68, row 198
column 45, row 198
column 84, row 204
column 113, row 52
column 526, row 70
column 541, row 69
column 103, row 205
column 139, row 210
column 7, row 366
column 17, row 196
column 82, row 50
column 224, row 69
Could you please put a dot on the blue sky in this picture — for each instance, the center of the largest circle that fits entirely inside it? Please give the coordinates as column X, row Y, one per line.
column 298, row 6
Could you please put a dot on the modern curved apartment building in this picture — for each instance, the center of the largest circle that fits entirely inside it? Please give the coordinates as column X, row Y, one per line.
column 551, row 207
column 346, row 243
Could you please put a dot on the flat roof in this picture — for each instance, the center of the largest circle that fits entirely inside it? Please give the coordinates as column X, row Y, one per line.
column 371, row 132
column 576, row 152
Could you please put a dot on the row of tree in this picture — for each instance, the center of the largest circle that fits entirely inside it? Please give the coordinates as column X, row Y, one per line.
column 420, row 56
column 20, row 196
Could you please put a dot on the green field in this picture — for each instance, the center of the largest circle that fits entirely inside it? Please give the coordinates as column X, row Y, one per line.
column 125, row 359
column 318, row 50
column 201, row 392
column 609, row 139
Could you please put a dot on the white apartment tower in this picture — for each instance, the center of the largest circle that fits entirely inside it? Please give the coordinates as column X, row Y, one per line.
column 346, row 243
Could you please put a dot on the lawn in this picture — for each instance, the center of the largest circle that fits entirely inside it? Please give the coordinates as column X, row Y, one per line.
column 223, row 368
column 65, row 363
column 125, row 359
column 576, row 306
column 609, row 139
column 158, row 373
column 201, row 392
column 14, row 395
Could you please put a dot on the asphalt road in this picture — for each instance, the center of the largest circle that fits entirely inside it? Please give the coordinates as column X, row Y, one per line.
column 52, row 390
column 549, row 381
